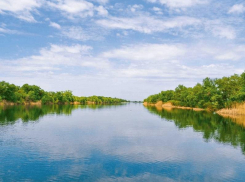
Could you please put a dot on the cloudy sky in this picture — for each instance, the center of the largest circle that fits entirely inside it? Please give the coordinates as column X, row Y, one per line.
column 128, row 49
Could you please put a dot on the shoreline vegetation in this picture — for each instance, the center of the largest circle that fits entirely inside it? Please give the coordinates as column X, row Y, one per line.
column 225, row 96
column 11, row 94
column 235, row 114
column 169, row 106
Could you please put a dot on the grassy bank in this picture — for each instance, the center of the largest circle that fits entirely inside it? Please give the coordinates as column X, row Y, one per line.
column 39, row 103
column 237, row 109
column 169, row 106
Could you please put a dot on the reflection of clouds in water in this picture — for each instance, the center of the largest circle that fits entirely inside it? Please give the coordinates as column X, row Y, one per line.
column 69, row 172
column 137, row 137
column 144, row 177
column 142, row 140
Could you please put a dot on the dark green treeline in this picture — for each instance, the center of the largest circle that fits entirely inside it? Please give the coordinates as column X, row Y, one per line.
column 32, row 93
column 213, row 126
column 212, row 93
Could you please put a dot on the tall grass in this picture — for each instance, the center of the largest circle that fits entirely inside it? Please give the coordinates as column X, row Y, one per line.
column 235, row 109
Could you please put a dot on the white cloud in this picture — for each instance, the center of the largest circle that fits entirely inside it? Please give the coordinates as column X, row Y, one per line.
column 157, row 10
column 78, row 33
column 228, row 56
column 224, row 32
column 179, row 3
column 189, row 26
column 210, row 53
column 5, row 30
column 8, row 31
column 147, row 24
column 135, row 7
column 179, row 63
column 21, row 9
column 173, row 60
column 138, row 61
column 237, row 9
column 101, row 1
column 78, row 8
column 73, row 8
column 55, row 25
column 102, row 11
column 231, row 53
column 55, row 57
column 147, row 52
column 76, row 49
column 220, row 29
column 177, row 71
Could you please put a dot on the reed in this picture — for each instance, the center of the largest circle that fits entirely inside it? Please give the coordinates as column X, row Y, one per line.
column 235, row 110
column 169, row 106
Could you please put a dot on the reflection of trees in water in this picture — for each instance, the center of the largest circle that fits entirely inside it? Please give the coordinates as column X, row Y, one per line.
column 102, row 106
column 10, row 114
column 213, row 126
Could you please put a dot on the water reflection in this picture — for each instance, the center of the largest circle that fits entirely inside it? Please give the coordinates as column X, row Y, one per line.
column 11, row 114
column 115, row 143
column 213, row 126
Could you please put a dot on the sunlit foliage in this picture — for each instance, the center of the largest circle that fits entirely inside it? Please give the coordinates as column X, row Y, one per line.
column 32, row 93
column 211, row 93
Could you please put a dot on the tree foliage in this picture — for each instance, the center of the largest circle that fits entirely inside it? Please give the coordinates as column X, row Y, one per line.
column 32, row 93
column 211, row 93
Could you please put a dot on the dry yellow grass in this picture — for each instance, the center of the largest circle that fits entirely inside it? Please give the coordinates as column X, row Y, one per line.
column 236, row 109
column 198, row 109
column 159, row 103
column 33, row 103
column 158, row 106
column 170, row 106
column 167, row 105
column 236, row 113
column 148, row 104
column 90, row 103
column 75, row 103
column 4, row 102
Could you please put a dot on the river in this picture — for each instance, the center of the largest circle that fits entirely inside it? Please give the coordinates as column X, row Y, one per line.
column 127, row 142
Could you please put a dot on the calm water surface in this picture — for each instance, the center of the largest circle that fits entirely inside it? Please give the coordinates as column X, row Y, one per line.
column 118, row 143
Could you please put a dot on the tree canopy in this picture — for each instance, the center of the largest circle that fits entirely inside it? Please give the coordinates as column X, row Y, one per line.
column 32, row 93
column 211, row 93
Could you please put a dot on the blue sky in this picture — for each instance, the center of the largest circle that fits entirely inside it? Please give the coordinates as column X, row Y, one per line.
column 127, row 49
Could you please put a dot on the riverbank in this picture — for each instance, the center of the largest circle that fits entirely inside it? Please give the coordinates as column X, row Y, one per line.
column 7, row 103
column 39, row 103
column 237, row 111
column 169, row 106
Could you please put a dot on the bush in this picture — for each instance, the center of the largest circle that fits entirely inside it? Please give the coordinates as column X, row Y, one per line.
column 47, row 99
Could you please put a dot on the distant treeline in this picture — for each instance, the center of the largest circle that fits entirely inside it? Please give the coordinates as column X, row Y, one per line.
column 32, row 93
column 211, row 93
